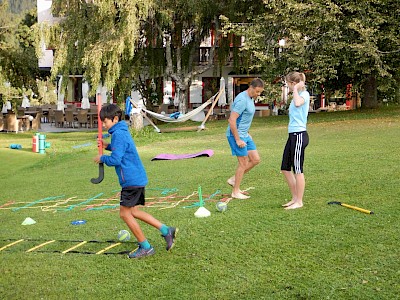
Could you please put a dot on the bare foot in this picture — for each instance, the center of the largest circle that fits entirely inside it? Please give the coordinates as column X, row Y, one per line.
column 239, row 196
column 231, row 181
column 289, row 203
column 295, row 205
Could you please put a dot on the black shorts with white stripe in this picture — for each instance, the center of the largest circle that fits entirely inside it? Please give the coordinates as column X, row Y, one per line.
column 293, row 155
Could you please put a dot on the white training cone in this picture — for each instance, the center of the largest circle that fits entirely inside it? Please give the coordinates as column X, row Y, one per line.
column 28, row 221
column 202, row 212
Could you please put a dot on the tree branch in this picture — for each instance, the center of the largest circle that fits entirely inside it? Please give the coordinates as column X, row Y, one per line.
column 388, row 52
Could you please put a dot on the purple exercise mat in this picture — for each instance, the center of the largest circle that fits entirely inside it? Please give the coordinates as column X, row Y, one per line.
column 166, row 156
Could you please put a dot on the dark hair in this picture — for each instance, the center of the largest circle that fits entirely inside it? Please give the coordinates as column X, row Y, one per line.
column 257, row 82
column 110, row 111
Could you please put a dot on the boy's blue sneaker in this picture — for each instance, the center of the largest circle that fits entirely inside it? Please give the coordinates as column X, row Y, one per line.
column 170, row 237
column 140, row 252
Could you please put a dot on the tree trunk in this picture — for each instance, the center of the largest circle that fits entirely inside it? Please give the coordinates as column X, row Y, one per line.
column 370, row 99
column 397, row 91
column 182, row 101
column 136, row 121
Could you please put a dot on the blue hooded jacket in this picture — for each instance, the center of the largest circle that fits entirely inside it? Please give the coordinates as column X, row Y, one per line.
column 124, row 157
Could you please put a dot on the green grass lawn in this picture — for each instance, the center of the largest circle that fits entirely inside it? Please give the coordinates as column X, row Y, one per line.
column 255, row 250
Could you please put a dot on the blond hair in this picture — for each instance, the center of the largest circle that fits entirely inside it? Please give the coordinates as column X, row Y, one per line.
column 295, row 77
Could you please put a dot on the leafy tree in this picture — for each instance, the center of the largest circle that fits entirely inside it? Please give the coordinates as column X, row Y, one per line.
column 22, row 6
column 96, row 38
column 125, row 42
column 173, row 35
column 18, row 62
column 7, row 43
column 339, row 41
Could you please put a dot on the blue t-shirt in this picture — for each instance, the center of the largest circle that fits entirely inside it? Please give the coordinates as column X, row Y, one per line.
column 298, row 115
column 244, row 106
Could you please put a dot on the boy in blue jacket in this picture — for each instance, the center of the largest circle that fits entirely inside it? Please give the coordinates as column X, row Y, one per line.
column 132, row 178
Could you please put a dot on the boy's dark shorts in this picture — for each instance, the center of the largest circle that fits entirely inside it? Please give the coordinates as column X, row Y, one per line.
column 132, row 196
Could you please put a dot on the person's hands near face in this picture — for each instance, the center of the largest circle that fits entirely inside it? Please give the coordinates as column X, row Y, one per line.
column 299, row 85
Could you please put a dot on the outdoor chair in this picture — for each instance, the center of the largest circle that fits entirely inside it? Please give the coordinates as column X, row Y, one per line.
column 50, row 116
column 83, row 117
column 45, row 113
column 23, row 123
column 71, row 107
column 12, row 122
column 69, row 118
column 38, row 109
column 21, row 111
column 36, row 122
column 93, row 109
column 1, row 122
column 93, row 115
column 59, row 118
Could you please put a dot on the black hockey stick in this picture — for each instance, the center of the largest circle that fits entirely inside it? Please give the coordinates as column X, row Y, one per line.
column 366, row 211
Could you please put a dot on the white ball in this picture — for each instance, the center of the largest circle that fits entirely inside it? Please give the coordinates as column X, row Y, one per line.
column 221, row 206
column 30, row 118
column 124, row 235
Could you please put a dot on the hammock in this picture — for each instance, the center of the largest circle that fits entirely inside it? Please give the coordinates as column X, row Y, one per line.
column 181, row 117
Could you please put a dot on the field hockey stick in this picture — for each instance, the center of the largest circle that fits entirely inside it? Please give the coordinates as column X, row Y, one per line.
column 352, row 207
column 100, row 143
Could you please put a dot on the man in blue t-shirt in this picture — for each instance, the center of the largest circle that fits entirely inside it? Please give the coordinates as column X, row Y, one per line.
column 237, row 133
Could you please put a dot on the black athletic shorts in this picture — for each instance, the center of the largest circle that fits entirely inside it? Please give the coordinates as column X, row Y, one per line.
column 293, row 155
column 132, row 196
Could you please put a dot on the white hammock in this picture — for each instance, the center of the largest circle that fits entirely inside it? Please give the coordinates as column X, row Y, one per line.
column 181, row 117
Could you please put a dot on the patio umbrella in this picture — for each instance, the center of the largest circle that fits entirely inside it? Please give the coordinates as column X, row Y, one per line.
column 25, row 102
column 6, row 106
column 222, row 98
column 102, row 90
column 85, row 100
column 176, row 99
column 60, row 96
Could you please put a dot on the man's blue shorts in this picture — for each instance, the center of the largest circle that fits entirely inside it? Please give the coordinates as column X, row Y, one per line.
column 236, row 150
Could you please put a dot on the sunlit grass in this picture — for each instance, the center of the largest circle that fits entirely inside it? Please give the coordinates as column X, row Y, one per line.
column 255, row 250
